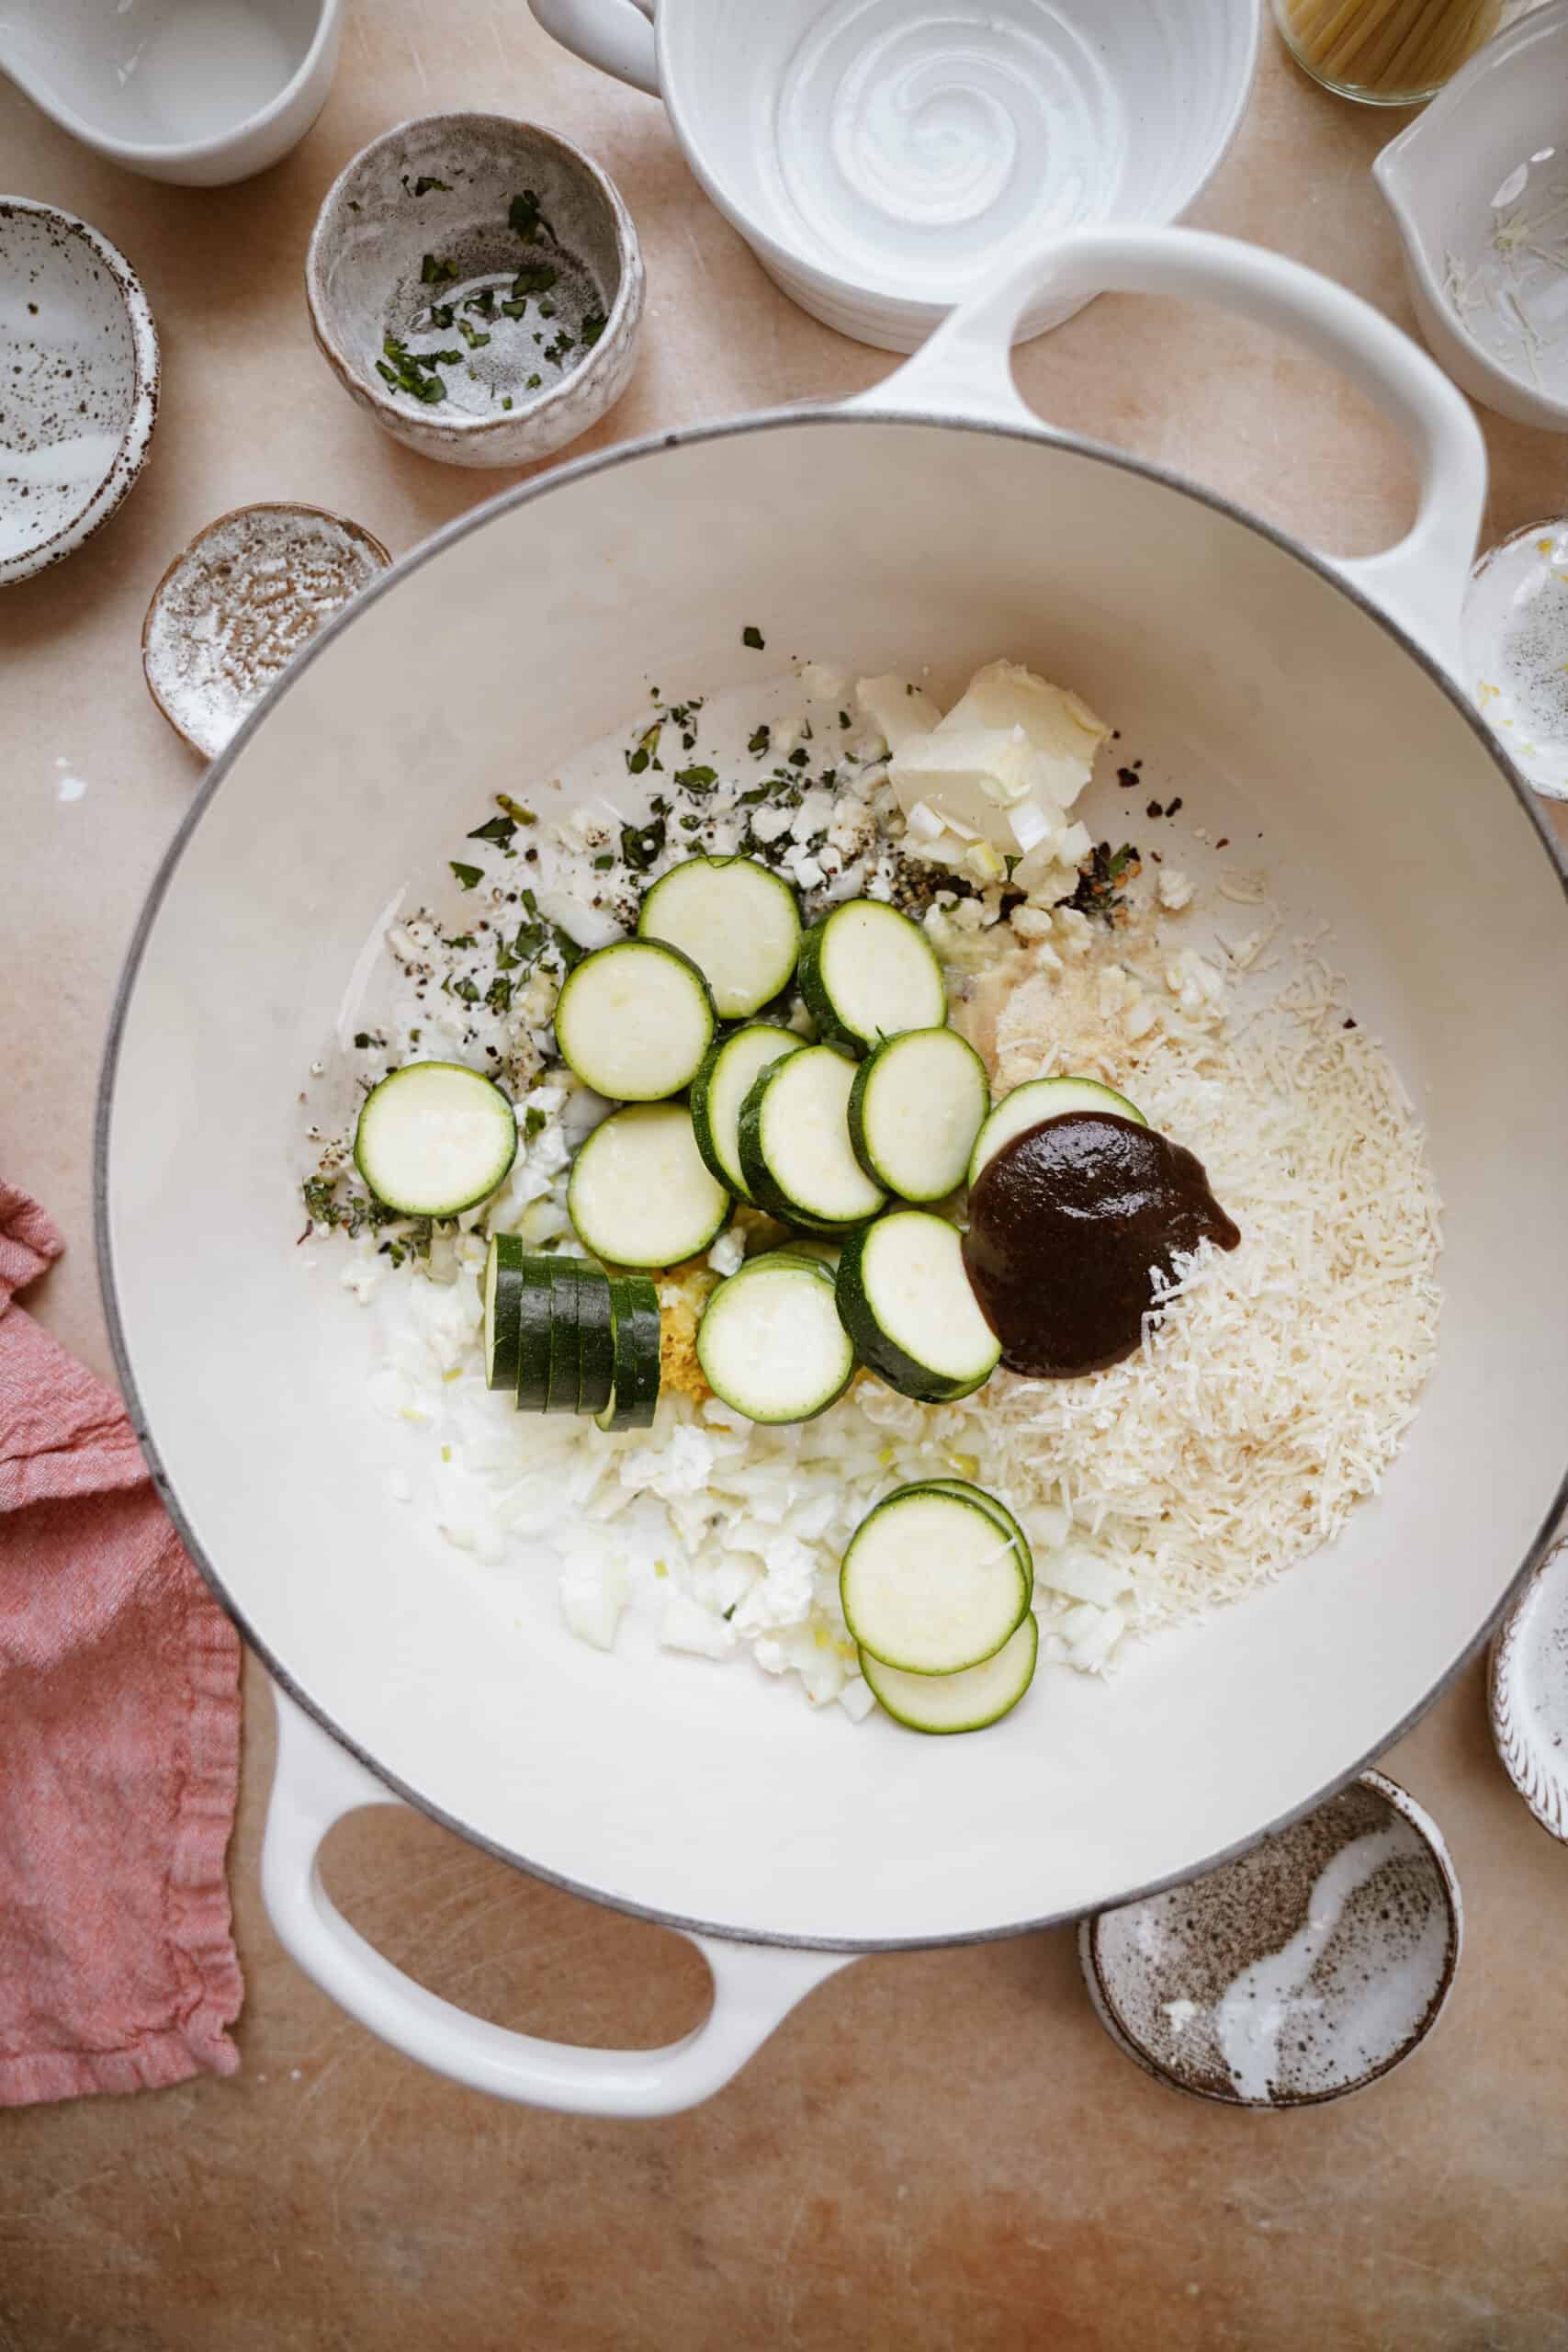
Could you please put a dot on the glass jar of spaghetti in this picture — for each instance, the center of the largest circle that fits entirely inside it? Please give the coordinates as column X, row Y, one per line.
column 1386, row 52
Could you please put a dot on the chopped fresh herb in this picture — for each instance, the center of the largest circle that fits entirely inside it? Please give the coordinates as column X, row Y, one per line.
column 321, row 1201
column 441, row 315
column 800, row 757
column 529, row 942
column 515, row 310
column 363, row 1040
column 659, row 805
column 497, row 996
column 547, row 310
column 534, row 1123
column 353, row 204
column 468, row 875
column 642, row 844
column 760, row 742
column 567, row 948
column 750, row 799
column 637, row 760
column 505, row 961
column 532, row 383
column 413, row 1037
column 471, row 336
column 506, row 399
column 556, row 352
column 466, row 990
column 752, row 636
column 516, row 811
column 525, row 216
column 530, row 902
column 435, row 270
column 602, row 864
column 498, row 830
column 844, row 719
column 483, row 302
column 1097, row 892
column 593, row 326
column 537, row 277
column 696, row 779
column 689, row 824
column 424, row 183
column 1011, row 863
column 414, row 372
column 464, row 938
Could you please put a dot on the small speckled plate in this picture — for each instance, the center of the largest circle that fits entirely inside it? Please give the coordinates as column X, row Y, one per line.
column 1527, row 1690
column 236, row 606
column 1309, row 1967
column 476, row 285
column 79, row 362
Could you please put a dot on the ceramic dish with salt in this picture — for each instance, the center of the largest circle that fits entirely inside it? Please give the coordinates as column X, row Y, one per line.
column 1307, row 1968
column 79, row 360
column 1527, row 1690
column 236, row 606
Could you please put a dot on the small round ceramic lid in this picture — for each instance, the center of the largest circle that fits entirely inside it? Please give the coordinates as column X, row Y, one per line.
column 231, row 612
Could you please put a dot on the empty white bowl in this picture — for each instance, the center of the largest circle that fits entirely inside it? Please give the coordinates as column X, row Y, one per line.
column 1478, row 187
column 79, row 363
column 878, row 159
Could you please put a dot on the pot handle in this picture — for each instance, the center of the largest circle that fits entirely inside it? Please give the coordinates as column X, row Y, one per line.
column 614, row 35
column 316, row 1784
column 966, row 367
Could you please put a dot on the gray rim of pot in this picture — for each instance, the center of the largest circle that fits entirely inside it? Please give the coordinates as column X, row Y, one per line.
column 829, row 417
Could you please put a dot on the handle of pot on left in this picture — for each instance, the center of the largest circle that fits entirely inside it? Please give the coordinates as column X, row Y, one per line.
column 316, row 1784
column 614, row 35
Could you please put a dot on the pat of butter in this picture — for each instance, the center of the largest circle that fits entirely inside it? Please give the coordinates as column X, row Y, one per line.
column 898, row 709
column 1009, row 758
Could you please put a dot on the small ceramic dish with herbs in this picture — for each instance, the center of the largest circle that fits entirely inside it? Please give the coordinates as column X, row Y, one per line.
column 476, row 285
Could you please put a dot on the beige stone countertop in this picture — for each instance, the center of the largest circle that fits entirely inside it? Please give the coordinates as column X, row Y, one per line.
column 937, row 2150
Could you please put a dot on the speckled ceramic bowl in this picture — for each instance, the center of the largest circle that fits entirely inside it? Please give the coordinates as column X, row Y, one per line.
column 1305, row 1969
column 1527, row 1692
column 476, row 285
column 235, row 606
column 79, row 361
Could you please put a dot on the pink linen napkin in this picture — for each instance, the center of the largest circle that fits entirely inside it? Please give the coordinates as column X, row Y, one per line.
column 119, row 1738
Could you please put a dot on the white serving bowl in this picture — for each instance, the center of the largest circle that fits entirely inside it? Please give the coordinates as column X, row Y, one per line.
column 79, row 363
column 1488, row 161
column 1302, row 692
column 879, row 159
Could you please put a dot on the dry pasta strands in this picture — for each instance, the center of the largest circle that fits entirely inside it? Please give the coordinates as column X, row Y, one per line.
column 1387, row 49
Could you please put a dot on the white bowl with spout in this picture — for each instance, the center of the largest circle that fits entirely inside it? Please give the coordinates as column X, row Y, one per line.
column 198, row 92
column 1478, row 187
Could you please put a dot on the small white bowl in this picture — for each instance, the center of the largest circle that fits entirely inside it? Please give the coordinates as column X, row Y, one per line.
column 1527, row 1689
column 424, row 242
column 1514, row 650
column 79, row 363
column 1308, row 1967
column 235, row 606
column 880, row 160
column 1478, row 187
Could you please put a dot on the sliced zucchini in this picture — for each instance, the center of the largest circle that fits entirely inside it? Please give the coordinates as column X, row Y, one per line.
column 635, row 1020
column 867, row 973
column 1039, row 1098
column 534, row 1336
column 932, row 1582
column 502, row 1297
column 999, row 1511
column 730, row 1070
column 915, row 1108
column 595, row 1338
column 770, row 1342
column 566, row 1292
column 634, row 1396
column 908, row 1304
column 434, row 1138
column 638, row 1193
column 794, row 1143
column 738, row 923
column 964, row 1701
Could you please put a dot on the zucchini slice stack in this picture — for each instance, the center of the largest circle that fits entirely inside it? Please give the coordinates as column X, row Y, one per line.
column 566, row 1336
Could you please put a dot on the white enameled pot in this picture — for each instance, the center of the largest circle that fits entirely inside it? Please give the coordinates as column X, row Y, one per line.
column 934, row 520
